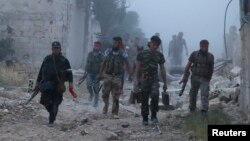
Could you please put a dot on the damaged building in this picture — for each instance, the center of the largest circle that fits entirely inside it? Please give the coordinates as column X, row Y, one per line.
column 36, row 23
column 245, row 39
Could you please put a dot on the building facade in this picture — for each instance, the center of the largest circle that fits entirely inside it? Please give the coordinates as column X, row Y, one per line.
column 36, row 23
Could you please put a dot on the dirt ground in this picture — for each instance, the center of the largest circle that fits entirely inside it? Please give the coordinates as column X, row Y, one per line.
column 79, row 120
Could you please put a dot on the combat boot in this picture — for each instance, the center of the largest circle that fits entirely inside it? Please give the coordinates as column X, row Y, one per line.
column 106, row 106
column 105, row 109
column 51, row 124
column 145, row 120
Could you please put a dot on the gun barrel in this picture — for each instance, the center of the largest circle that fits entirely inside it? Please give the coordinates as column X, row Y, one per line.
column 32, row 96
column 82, row 79
column 183, row 88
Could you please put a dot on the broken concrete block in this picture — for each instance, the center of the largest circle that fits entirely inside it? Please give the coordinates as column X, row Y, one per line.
column 112, row 136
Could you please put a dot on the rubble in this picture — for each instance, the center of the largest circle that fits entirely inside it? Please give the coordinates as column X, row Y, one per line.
column 78, row 120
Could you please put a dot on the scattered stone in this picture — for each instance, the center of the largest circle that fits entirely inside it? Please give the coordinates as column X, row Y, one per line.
column 120, row 133
column 6, row 111
column 104, row 126
column 136, row 115
column 214, row 94
column 84, row 132
column 235, row 71
column 84, row 121
column 225, row 99
column 1, row 89
column 179, row 104
column 125, row 125
column 112, row 136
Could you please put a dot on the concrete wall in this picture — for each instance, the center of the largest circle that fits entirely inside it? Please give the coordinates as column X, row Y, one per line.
column 244, row 99
column 245, row 84
column 76, row 33
column 36, row 23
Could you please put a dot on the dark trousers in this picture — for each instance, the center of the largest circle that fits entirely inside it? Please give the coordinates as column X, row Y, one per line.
column 202, row 84
column 150, row 89
column 51, row 102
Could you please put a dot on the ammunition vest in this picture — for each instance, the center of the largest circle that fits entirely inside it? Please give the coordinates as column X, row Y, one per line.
column 114, row 63
column 94, row 63
column 201, row 64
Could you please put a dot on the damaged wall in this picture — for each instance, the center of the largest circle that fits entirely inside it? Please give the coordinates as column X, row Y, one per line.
column 36, row 23
column 245, row 75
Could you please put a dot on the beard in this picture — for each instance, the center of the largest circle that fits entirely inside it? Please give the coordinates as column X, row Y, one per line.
column 203, row 51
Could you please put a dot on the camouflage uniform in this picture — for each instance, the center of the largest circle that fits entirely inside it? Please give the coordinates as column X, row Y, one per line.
column 52, row 99
column 149, row 80
column 93, row 64
column 114, row 62
column 202, row 70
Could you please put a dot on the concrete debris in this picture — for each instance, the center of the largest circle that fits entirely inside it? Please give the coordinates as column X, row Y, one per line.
column 84, row 132
column 125, row 125
column 235, row 71
column 6, row 111
column 225, row 99
column 104, row 126
column 112, row 136
column 1, row 89
column 78, row 120
column 84, row 121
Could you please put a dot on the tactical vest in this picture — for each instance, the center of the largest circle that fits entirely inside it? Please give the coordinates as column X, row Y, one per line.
column 94, row 63
column 201, row 64
column 114, row 63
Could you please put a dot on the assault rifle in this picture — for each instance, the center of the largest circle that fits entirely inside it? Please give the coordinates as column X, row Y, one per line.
column 184, row 83
column 95, row 87
column 35, row 92
column 82, row 78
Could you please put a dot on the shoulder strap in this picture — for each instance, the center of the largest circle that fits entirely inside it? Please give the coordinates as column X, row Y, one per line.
column 57, row 76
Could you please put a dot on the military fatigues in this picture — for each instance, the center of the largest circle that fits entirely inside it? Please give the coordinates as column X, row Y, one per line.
column 113, row 62
column 93, row 64
column 52, row 99
column 149, row 80
column 202, row 70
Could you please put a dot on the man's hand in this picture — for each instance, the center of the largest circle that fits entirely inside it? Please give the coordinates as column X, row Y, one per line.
column 99, row 77
column 130, row 78
column 71, row 90
column 183, row 81
column 36, row 85
column 165, row 87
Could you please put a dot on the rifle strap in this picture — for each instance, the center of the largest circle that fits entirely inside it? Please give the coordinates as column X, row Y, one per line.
column 57, row 75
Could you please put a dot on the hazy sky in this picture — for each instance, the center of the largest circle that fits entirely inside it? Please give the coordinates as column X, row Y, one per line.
column 197, row 19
